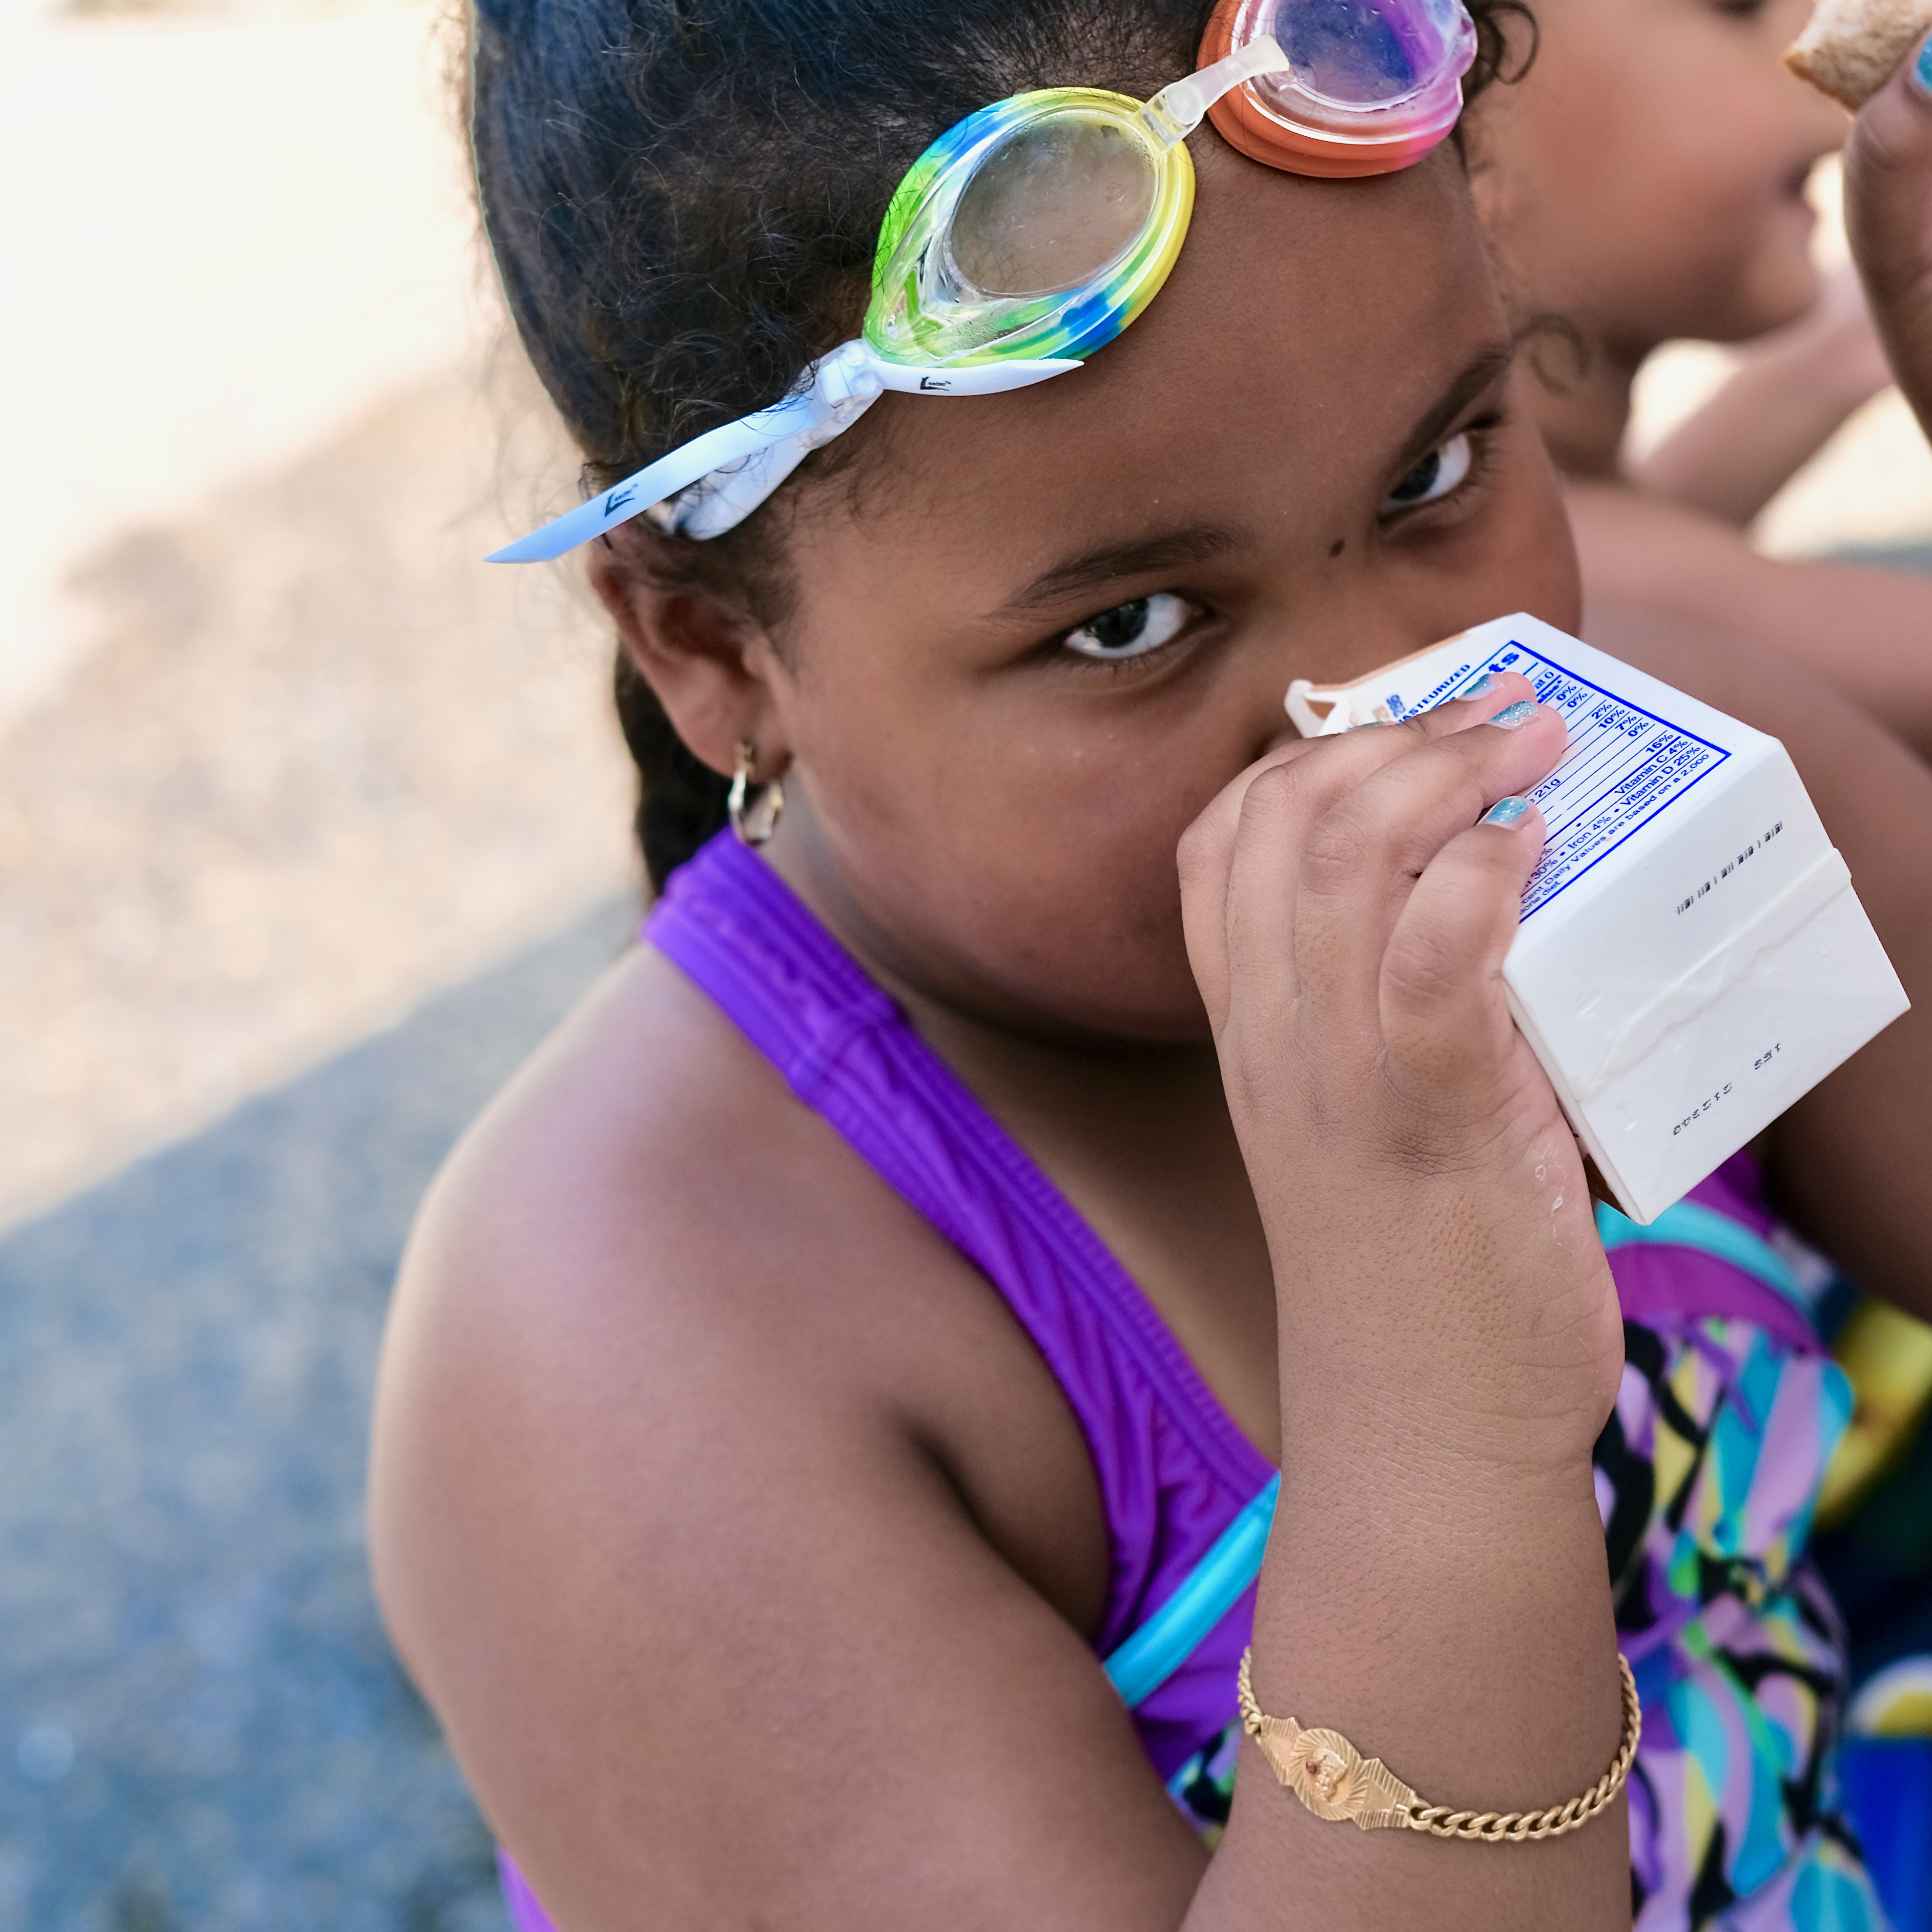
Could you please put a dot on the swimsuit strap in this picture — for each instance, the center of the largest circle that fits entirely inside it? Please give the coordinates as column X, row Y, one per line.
column 737, row 930
column 1205, row 1595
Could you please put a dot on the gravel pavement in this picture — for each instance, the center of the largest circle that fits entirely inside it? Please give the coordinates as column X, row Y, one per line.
column 201, row 1727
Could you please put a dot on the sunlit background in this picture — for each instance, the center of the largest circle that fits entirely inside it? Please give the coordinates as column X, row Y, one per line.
column 309, row 826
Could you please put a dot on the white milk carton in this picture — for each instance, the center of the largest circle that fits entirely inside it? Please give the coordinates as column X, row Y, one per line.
column 1692, row 958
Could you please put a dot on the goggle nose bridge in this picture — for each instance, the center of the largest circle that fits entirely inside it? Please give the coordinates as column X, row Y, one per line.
column 1178, row 108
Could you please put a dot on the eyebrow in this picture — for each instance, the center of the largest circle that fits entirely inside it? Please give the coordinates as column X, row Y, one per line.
column 1092, row 571
column 1106, row 564
column 1491, row 361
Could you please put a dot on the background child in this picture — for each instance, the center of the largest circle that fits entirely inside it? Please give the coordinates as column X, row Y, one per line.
column 908, row 1267
column 1645, row 182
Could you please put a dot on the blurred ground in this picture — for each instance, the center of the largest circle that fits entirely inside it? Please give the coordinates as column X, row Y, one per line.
column 226, row 226
column 279, row 758
column 277, row 753
column 204, row 1729
column 320, row 759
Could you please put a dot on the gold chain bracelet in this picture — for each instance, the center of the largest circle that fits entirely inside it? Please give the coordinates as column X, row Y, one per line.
column 1335, row 1781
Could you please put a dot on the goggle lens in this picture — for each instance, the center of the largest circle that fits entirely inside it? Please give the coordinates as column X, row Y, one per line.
column 1373, row 85
column 1359, row 54
column 1053, row 207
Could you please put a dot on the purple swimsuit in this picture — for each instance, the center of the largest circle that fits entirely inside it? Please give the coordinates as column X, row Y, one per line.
column 1174, row 1471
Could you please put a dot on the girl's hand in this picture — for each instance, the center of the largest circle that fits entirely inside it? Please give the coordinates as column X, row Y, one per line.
column 1443, row 1294
column 1888, row 217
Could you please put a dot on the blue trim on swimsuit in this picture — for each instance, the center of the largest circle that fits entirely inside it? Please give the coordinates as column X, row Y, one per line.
column 1207, row 1594
column 1162, row 1645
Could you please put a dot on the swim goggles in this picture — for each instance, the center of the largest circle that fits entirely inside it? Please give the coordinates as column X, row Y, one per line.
column 1036, row 230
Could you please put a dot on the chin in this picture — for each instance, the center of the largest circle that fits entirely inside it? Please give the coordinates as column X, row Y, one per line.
column 1763, row 295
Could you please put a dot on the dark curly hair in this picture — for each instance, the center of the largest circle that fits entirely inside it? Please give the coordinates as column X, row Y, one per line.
column 683, row 195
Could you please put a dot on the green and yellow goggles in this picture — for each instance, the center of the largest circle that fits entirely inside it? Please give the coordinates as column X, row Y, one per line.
column 1034, row 232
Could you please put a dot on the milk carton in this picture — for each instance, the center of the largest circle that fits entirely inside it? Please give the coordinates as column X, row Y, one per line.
column 1692, row 958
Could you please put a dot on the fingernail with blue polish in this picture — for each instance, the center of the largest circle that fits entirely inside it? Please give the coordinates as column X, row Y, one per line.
column 1507, row 811
column 1513, row 717
column 1483, row 681
column 1921, row 68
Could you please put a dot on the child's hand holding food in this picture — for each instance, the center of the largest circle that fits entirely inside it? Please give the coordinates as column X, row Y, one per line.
column 1876, row 57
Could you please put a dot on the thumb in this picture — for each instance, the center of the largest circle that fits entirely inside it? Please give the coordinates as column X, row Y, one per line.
column 1889, row 219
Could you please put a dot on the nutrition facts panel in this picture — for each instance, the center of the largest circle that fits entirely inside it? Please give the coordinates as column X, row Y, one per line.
column 1625, row 766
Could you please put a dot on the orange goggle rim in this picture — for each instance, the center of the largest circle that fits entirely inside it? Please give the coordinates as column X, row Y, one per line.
column 1247, row 123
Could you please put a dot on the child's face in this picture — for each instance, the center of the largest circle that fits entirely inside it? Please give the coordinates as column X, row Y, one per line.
column 1222, row 497
column 1649, row 174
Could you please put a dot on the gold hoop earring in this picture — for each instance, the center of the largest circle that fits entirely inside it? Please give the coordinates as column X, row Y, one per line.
column 756, row 823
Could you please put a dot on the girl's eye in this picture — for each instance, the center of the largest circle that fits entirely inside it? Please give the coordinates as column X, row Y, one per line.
column 1439, row 474
column 1132, row 630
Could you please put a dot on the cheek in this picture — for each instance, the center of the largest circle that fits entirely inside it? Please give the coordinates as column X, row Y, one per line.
column 1648, row 172
column 1019, row 857
column 1542, row 560
column 1520, row 557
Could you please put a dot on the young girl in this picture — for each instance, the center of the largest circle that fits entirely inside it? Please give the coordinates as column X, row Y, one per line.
column 891, row 1297
column 1646, row 181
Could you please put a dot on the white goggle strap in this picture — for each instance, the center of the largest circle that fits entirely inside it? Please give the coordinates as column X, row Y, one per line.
column 720, row 478
column 1175, row 112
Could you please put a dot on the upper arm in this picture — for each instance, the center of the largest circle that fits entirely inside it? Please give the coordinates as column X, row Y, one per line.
column 716, row 1635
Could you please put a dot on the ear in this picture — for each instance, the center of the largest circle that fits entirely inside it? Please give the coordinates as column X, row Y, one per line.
column 709, row 661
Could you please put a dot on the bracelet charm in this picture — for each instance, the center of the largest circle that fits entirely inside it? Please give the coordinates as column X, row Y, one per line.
column 1333, row 1780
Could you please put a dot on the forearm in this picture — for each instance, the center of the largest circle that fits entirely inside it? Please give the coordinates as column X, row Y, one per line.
column 1436, row 1588
column 1456, row 1622
column 1730, row 458
column 1790, row 391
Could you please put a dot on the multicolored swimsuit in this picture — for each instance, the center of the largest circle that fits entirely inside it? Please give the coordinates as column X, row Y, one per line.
column 1706, row 1474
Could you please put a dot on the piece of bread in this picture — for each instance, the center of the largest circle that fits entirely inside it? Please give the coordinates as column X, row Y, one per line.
column 1849, row 48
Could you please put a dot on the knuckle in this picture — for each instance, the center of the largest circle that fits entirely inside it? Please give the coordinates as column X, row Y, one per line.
column 1342, row 848
column 1424, row 971
column 1275, row 793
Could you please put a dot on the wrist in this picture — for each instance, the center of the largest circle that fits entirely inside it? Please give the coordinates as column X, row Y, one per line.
column 1450, row 1632
column 1421, row 1507
column 1447, row 1365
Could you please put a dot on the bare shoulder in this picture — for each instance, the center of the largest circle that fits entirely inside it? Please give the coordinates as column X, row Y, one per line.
column 646, row 1232
column 665, row 1354
column 620, row 1229
column 646, row 1171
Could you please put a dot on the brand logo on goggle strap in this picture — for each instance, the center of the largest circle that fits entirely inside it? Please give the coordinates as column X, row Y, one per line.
column 619, row 498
